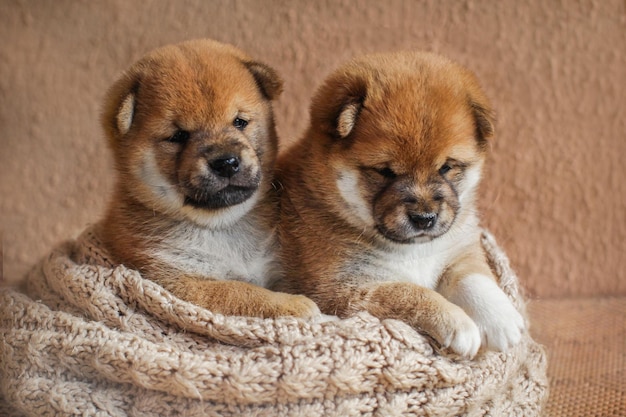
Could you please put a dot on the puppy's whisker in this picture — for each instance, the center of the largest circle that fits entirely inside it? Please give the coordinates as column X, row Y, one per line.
column 360, row 236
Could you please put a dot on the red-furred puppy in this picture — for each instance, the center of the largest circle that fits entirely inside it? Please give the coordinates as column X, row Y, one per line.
column 378, row 209
column 192, row 131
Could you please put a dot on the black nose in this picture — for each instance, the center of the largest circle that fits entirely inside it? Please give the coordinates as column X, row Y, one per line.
column 423, row 221
column 226, row 166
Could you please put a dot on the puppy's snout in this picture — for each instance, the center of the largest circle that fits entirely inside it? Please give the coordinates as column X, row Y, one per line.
column 423, row 221
column 225, row 166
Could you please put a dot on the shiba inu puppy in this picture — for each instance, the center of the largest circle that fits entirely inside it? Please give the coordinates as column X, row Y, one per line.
column 378, row 207
column 192, row 131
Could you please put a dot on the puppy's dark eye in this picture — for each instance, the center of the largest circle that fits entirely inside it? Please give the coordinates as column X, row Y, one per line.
column 445, row 169
column 386, row 172
column 240, row 123
column 181, row 137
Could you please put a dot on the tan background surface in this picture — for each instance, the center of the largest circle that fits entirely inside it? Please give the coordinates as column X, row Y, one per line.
column 555, row 190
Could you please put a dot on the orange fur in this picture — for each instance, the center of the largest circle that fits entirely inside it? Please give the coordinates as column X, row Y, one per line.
column 192, row 131
column 378, row 198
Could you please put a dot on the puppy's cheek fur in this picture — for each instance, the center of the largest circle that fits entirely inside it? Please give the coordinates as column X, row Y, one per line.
column 153, row 187
column 469, row 184
column 446, row 216
column 500, row 324
column 356, row 209
column 251, row 163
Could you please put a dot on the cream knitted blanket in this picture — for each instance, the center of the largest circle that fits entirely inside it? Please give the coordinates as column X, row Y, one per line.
column 91, row 339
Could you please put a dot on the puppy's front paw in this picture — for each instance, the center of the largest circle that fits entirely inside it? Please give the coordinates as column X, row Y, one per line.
column 500, row 324
column 460, row 333
column 297, row 305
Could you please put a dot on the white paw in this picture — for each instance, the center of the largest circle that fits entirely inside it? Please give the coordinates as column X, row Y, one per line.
column 500, row 324
column 463, row 336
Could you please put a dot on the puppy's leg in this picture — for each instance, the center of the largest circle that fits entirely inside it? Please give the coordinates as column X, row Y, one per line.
column 237, row 298
column 423, row 309
column 470, row 284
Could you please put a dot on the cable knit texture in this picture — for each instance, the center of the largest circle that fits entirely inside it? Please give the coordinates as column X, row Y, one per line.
column 89, row 338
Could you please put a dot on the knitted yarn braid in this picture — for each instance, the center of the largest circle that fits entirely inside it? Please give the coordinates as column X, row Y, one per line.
column 91, row 339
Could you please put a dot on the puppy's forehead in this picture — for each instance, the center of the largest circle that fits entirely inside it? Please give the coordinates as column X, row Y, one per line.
column 421, row 117
column 202, row 85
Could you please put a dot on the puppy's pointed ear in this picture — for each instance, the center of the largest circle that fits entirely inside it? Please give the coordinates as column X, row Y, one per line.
column 337, row 104
column 484, row 120
column 347, row 118
column 267, row 79
column 119, row 107
column 125, row 113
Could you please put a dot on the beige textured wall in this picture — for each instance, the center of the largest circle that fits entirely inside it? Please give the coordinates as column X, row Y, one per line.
column 554, row 192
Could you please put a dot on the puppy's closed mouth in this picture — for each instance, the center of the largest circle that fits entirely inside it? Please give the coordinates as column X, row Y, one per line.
column 403, row 240
column 226, row 197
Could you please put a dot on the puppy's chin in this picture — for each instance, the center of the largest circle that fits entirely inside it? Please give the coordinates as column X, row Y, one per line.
column 409, row 237
column 220, row 217
column 229, row 196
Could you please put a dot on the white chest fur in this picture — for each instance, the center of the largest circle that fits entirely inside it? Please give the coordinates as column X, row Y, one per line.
column 424, row 263
column 241, row 253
